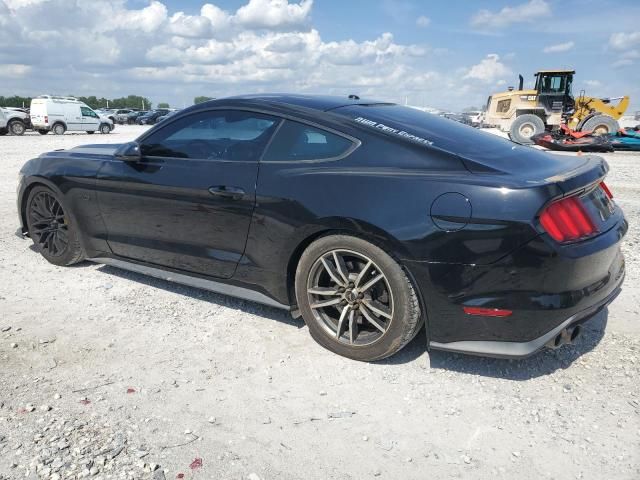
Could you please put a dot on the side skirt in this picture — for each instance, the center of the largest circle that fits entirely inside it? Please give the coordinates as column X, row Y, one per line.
column 197, row 282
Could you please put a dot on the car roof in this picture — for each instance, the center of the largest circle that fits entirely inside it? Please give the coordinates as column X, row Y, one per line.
column 316, row 102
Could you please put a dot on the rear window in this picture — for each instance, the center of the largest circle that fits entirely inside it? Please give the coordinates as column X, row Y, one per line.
column 297, row 141
column 426, row 129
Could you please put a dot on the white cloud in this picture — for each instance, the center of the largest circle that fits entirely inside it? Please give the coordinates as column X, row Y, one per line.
column 593, row 83
column 490, row 69
column 423, row 21
column 14, row 70
column 560, row 47
column 110, row 48
column 273, row 14
column 623, row 41
column 523, row 13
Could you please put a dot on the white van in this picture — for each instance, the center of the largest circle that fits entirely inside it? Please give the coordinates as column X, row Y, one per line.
column 59, row 114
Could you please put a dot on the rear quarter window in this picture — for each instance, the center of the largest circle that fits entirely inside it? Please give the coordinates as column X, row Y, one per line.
column 297, row 141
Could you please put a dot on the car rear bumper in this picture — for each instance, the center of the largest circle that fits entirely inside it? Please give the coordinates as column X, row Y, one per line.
column 545, row 287
column 523, row 349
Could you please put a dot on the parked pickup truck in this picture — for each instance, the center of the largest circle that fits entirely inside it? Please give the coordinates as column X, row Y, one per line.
column 13, row 121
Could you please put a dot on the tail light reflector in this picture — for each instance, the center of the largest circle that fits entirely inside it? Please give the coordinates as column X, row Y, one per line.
column 487, row 312
column 567, row 220
column 606, row 189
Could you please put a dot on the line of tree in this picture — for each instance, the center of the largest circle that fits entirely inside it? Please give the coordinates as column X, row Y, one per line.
column 130, row 101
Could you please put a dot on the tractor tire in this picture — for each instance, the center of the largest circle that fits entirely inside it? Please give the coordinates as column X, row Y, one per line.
column 524, row 127
column 600, row 125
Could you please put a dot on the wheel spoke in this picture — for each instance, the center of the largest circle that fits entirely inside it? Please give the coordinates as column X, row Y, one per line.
column 377, row 308
column 366, row 314
column 362, row 273
column 353, row 327
column 332, row 272
column 341, row 267
column 343, row 315
column 326, row 303
column 371, row 282
column 323, row 291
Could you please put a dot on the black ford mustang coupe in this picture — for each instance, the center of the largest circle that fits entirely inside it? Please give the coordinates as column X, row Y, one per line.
column 369, row 219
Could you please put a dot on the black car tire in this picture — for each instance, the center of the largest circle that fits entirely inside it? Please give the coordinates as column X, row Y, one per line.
column 105, row 128
column 43, row 132
column 406, row 318
column 3, row 131
column 58, row 129
column 91, row 132
column 72, row 250
column 17, row 127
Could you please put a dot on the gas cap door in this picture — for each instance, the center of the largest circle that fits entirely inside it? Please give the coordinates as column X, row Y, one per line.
column 451, row 211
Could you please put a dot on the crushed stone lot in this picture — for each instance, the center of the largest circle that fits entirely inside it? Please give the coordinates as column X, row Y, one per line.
column 110, row 374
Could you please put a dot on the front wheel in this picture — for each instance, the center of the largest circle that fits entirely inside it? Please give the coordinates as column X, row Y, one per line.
column 16, row 127
column 51, row 228
column 356, row 300
column 105, row 128
column 600, row 125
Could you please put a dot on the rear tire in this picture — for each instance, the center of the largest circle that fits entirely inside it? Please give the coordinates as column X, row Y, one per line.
column 43, row 132
column 58, row 129
column 524, row 127
column 51, row 228
column 16, row 127
column 372, row 313
column 601, row 125
column 90, row 132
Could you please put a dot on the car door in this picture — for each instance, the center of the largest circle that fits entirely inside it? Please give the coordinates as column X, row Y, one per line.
column 90, row 120
column 187, row 204
column 73, row 117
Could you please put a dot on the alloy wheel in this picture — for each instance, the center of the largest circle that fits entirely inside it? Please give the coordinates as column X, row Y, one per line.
column 49, row 226
column 350, row 297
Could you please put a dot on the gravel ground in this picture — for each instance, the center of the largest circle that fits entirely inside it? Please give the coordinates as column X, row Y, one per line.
column 109, row 374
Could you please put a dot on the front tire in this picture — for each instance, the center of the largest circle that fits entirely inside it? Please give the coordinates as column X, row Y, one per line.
column 356, row 300
column 51, row 228
column 105, row 128
column 600, row 125
column 524, row 127
column 16, row 127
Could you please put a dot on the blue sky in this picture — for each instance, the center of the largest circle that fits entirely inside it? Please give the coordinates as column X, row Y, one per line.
column 447, row 55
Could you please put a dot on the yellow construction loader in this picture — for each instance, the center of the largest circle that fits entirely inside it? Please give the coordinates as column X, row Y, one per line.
column 523, row 113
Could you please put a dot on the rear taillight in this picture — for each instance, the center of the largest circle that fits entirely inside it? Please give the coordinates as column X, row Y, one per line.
column 606, row 189
column 567, row 220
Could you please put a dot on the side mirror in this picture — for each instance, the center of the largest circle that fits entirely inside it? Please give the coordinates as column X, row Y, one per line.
column 129, row 152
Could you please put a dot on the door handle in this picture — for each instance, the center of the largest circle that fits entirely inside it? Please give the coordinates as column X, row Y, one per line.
column 224, row 191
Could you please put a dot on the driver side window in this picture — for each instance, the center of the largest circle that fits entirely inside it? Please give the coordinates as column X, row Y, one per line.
column 213, row 135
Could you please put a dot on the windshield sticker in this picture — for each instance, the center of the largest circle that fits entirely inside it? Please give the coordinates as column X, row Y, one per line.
column 393, row 131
